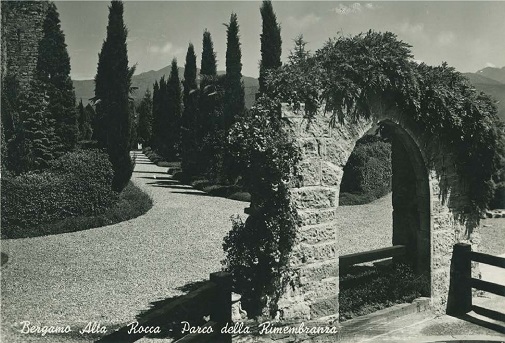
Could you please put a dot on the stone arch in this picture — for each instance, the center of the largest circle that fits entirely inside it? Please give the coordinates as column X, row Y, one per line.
column 435, row 214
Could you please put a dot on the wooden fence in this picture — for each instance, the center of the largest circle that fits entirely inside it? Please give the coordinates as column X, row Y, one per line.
column 212, row 299
column 372, row 255
column 462, row 282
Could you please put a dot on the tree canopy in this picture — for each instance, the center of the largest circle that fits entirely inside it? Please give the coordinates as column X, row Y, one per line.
column 348, row 73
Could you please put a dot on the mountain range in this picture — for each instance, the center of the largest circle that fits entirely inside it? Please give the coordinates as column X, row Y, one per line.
column 492, row 82
column 85, row 89
column 488, row 80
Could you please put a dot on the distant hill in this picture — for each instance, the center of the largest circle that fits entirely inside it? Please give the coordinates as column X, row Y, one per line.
column 487, row 80
column 85, row 89
column 497, row 74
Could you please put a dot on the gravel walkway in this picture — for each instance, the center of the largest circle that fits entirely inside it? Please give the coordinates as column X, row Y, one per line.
column 110, row 274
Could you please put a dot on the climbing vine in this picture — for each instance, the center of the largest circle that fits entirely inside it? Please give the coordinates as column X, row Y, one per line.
column 258, row 250
column 345, row 78
column 348, row 74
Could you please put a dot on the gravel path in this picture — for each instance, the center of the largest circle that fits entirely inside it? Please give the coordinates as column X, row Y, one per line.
column 110, row 274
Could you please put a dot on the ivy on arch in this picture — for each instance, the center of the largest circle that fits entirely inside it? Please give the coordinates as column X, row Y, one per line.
column 348, row 73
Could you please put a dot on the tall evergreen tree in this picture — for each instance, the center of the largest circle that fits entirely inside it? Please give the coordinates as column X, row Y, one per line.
column 35, row 139
column 163, row 122
column 156, row 115
column 299, row 54
column 271, row 42
column 234, row 88
column 174, row 112
column 189, row 81
column 145, row 111
column 189, row 124
column 208, row 66
column 53, row 69
column 112, row 88
column 84, row 120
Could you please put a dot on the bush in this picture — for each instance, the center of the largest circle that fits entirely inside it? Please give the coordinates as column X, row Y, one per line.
column 364, row 289
column 78, row 183
column 368, row 170
column 257, row 251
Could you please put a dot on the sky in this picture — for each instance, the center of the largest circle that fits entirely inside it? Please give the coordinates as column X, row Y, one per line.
column 468, row 35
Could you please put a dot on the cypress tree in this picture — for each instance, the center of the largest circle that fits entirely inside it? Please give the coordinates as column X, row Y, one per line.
column 271, row 42
column 189, row 81
column 163, row 124
column 156, row 115
column 208, row 66
column 36, row 138
column 145, row 111
column 174, row 112
column 234, row 87
column 189, row 123
column 84, row 119
column 112, row 88
column 53, row 69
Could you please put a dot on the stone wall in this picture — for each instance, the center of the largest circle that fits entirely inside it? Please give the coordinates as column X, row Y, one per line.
column 21, row 32
column 429, row 203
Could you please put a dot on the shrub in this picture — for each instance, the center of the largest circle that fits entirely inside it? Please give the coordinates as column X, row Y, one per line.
column 78, row 183
column 364, row 290
column 257, row 251
column 368, row 170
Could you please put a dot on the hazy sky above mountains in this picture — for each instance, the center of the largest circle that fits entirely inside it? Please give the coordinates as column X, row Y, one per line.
column 468, row 35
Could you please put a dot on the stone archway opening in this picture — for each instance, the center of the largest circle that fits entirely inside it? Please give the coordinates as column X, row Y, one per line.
column 389, row 169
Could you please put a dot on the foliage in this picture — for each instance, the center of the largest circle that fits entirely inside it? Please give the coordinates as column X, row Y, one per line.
column 271, row 43
column 53, row 70
column 32, row 145
column 348, row 74
column 145, row 110
column 208, row 64
column 234, row 87
column 174, row 113
column 155, row 143
column 364, row 290
column 84, row 120
column 131, row 203
column 9, row 116
column 257, row 251
column 112, row 89
column 368, row 169
column 78, row 183
column 299, row 54
column 189, row 121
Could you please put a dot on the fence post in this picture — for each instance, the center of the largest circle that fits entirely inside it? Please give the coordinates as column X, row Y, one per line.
column 460, row 290
column 221, row 311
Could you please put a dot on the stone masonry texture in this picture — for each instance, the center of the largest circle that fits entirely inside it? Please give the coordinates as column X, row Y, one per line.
column 430, row 207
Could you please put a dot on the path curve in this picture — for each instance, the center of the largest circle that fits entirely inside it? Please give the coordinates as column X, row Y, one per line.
column 110, row 274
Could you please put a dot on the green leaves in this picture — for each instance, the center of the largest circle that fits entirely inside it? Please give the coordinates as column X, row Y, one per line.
column 348, row 72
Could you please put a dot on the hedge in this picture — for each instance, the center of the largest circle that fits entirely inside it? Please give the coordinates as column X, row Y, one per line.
column 78, row 183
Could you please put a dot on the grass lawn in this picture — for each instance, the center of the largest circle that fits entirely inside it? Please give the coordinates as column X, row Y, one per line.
column 132, row 203
column 492, row 233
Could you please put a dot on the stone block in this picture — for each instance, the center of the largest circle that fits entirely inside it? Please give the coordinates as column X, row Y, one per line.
column 319, row 270
column 321, row 289
column 331, row 174
column 443, row 242
column 309, row 147
column 309, row 172
column 337, row 151
column 443, row 222
column 316, row 216
column 314, row 197
column 317, row 233
column 310, row 253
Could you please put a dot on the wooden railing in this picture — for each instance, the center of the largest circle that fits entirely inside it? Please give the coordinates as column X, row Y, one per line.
column 462, row 282
column 212, row 299
column 372, row 255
